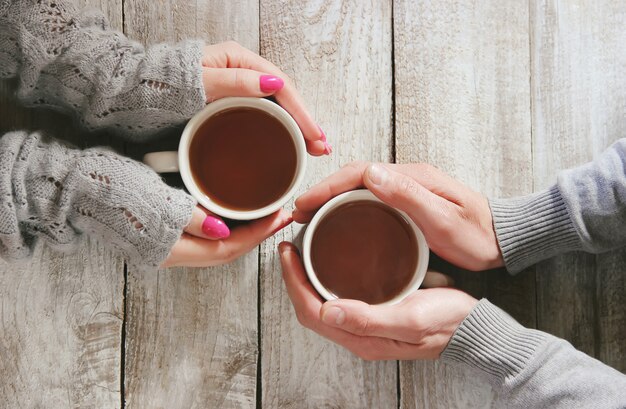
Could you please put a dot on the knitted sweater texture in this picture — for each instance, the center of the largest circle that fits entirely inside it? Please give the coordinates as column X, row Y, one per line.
column 73, row 62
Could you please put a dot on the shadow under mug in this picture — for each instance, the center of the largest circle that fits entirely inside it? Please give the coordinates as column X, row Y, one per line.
column 172, row 161
column 356, row 196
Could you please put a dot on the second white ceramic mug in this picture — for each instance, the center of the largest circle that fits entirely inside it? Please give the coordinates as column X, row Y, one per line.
column 172, row 161
column 355, row 196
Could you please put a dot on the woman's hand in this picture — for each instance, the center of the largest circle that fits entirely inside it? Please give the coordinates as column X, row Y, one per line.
column 207, row 241
column 419, row 327
column 230, row 70
column 456, row 221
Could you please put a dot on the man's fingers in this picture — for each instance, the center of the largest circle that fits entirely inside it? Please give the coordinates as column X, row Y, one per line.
column 307, row 304
column 405, row 193
column 239, row 82
column 303, row 296
column 435, row 279
column 434, row 180
column 359, row 318
column 206, row 225
column 347, row 178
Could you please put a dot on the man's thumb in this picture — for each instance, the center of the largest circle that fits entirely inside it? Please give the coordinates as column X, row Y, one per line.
column 362, row 319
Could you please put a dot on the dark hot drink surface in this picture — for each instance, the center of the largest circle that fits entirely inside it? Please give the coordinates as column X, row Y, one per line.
column 243, row 158
column 364, row 250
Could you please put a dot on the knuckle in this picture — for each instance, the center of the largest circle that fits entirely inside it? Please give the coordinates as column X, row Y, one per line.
column 362, row 325
column 407, row 187
column 239, row 81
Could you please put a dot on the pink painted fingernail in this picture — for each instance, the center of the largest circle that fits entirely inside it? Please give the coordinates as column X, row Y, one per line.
column 327, row 148
column 322, row 134
column 215, row 228
column 270, row 83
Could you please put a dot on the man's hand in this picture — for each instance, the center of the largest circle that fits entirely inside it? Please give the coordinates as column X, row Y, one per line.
column 419, row 327
column 456, row 220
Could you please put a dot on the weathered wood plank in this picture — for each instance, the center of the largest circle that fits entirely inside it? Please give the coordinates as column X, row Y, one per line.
column 192, row 333
column 112, row 9
column 578, row 109
column 339, row 52
column 60, row 315
column 61, row 324
column 462, row 104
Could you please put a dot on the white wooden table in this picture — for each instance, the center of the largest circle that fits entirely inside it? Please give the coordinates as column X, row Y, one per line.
column 500, row 93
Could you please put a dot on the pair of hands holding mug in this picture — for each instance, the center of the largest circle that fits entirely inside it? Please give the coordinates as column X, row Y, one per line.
column 230, row 70
column 457, row 224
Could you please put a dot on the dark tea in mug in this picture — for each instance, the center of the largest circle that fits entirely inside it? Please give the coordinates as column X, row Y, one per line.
column 364, row 250
column 243, row 158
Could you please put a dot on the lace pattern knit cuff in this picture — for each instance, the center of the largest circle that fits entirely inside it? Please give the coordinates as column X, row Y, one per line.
column 51, row 192
column 533, row 228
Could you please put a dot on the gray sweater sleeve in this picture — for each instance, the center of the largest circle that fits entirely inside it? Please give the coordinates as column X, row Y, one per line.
column 529, row 368
column 51, row 192
column 585, row 210
column 73, row 62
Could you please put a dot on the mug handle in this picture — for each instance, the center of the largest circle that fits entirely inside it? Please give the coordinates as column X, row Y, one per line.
column 162, row 162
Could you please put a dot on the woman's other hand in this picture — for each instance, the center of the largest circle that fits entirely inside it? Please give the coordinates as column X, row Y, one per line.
column 207, row 241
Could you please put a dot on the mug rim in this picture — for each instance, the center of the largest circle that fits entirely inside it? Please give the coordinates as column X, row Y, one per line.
column 222, row 104
column 360, row 195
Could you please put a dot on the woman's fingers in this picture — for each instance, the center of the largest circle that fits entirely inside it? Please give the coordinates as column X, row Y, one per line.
column 239, row 82
column 206, row 225
column 232, row 55
column 193, row 251
column 245, row 238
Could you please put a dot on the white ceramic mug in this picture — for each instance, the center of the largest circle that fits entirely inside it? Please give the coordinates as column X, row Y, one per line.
column 353, row 196
column 173, row 161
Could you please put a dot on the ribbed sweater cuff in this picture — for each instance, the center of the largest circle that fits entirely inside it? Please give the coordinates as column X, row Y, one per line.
column 533, row 228
column 493, row 343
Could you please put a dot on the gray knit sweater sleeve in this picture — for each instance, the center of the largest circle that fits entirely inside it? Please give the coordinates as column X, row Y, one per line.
column 531, row 369
column 74, row 62
column 51, row 192
column 585, row 210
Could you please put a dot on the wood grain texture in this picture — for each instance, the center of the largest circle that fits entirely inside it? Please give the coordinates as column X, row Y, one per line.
column 578, row 109
column 462, row 104
column 339, row 52
column 192, row 333
column 112, row 9
column 60, row 315
column 61, row 319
